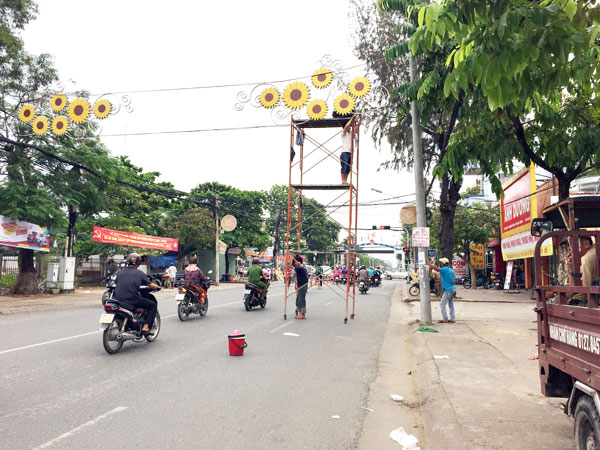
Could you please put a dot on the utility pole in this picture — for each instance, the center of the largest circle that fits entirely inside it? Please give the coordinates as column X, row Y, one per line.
column 217, row 239
column 421, row 208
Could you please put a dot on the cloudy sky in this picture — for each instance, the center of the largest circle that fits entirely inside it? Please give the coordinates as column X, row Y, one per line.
column 169, row 47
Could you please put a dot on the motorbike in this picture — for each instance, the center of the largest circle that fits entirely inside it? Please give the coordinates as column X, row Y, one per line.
column 415, row 289
column 122, row 321
column 375, row 281
column 481, row 282
column 189, row 301
column 497, row 280
column 111, row 284
column 363, row 286
column 252, row 294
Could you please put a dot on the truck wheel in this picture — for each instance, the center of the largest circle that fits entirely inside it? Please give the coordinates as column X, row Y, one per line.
column 587, row 424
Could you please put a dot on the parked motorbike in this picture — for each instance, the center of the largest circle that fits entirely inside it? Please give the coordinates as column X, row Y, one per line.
column 252, row 294
column 363, row 286
column 190, row 301
column 497, row 280
column 481, row 282
column 111, row 284
column 415, row 289
column 122, row 321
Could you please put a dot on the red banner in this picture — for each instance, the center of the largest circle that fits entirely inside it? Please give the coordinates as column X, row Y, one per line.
column 133, row 239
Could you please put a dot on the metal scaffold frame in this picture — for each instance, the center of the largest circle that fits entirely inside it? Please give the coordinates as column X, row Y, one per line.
column 302, row 127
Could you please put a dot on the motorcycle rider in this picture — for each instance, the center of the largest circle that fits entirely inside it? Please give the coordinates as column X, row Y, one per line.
column 193, row 277
column 363, row 274
column 129, row 281
column 255, row 274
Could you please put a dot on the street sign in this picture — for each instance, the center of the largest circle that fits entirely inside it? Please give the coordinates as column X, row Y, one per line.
column 431, row 253
column 420, row 236
column 228, row 223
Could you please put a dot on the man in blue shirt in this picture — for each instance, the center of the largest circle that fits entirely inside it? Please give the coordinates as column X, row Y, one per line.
column 447, row 275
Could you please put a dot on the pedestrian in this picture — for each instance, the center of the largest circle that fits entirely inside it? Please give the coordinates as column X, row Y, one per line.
column 301, row 286
column 346, row 153
column 172, row 271
column 447, row 275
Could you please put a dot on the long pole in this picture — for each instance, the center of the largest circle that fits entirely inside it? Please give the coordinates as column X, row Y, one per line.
column 420, row 194
column 217, row 241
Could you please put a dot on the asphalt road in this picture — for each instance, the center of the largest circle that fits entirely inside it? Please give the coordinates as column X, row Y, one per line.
column 61, row 390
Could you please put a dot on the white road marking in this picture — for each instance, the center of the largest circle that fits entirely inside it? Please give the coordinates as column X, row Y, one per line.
column 80, row 427
column 328, row 303
column 291, row 334
column 49, row 342
column 280, row 327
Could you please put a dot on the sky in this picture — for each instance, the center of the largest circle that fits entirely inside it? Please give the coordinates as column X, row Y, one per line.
column 129, row 46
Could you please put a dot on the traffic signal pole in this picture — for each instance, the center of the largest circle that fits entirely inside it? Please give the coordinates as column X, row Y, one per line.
column 421, row 210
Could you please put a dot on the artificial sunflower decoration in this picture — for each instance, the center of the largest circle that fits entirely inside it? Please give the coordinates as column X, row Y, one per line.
column 316, row 109
column 344, row 104
column 58, row 102
column 359, row 87
column 322, row 78
column 27, row 113
column 60, row 125
column 295, row 95
column 269, row 98
column 102, row 109
column 39, row 125
column 79, row 110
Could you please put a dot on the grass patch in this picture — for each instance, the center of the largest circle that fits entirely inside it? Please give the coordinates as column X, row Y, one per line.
column 8, row 280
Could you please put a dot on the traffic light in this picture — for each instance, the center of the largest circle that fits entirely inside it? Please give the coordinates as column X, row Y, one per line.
column 381, row 227
column 406, row 249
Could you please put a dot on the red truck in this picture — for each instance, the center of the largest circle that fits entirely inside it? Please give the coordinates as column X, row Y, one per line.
column 568, row 315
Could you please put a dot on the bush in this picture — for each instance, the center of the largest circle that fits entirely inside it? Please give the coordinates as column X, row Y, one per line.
column 8, row 280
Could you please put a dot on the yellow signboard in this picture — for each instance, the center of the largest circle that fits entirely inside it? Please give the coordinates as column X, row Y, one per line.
column 477, row 256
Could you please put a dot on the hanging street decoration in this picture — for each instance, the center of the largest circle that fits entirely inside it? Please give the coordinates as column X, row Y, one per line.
column 322, row 78
column 76, row 114
column 269, row 98
column 333, row 88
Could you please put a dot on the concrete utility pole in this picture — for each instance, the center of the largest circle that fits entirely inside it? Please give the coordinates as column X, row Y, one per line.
column 217, row 239
column 421, row 208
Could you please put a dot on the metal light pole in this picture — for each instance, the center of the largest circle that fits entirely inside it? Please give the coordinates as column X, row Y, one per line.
column 420, row 195
column 217, row 240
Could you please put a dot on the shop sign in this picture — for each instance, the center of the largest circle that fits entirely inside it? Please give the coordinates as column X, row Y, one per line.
column 517, row 205
column 522, row 245
column 477, row 256
column 16, row 233
column 420, row 237
column 459, row 267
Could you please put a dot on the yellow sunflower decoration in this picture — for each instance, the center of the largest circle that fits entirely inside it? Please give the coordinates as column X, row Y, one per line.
column 26, row 113
column 344, row 104
column 269, row 98
column 79, row 110
column 322, row 78
column 359, row 87
column 60, row 125
column 39, row 125
column 58, row 102
column 295, row 95
column 317, row 109
column 102, row 109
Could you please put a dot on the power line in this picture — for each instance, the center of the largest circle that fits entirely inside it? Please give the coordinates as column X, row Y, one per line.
column 202, row 130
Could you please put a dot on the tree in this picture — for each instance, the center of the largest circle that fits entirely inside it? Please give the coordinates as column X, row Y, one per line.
column 246, row 206
column 438, row 113
column 535, row 64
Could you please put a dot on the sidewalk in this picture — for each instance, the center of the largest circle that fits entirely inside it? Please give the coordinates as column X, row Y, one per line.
column 81, row 297
column 486, row 394
column 479, row 295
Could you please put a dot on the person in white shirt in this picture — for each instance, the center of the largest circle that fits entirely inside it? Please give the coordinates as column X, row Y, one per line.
column 172, row 271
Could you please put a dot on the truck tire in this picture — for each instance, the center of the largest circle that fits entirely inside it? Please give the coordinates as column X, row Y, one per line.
column 587, row 424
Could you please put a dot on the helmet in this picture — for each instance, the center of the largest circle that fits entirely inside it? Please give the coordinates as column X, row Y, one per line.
column 133, row 259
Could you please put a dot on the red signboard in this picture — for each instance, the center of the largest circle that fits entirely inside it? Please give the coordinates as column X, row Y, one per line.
column 517, row 204
column 133, row 239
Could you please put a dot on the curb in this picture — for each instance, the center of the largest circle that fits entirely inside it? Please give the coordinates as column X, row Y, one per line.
column 437, row 413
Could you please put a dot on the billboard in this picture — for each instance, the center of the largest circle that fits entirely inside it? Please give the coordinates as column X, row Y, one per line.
column 477, row 256
column 518, row 206
column 133, row 239
column 16, row 233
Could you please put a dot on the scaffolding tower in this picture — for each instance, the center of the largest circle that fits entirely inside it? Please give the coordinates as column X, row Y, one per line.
column 297, row 171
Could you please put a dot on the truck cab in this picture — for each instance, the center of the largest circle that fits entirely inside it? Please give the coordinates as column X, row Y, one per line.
column 568, row 316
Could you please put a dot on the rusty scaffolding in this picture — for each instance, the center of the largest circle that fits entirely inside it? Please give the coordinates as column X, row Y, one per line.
column 297, row 168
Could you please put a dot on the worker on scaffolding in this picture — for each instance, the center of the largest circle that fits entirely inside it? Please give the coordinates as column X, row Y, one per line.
column 346, row 155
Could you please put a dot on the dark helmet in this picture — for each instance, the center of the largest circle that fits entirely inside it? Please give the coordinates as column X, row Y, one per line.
column 133, row 259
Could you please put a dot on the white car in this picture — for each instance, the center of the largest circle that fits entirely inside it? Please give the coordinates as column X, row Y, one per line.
column 397, row 275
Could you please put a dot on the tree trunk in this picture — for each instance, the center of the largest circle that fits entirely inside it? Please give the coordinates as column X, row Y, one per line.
column 564, row 185
column 27, row 282
column 448, row 200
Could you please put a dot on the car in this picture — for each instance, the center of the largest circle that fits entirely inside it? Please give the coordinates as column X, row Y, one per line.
column 397, row 275
column 310, row 269
column 327, row 271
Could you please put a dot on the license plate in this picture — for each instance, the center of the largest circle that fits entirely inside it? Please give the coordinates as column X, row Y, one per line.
column 106, row 318
column 246, row 291
column 179, row 296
